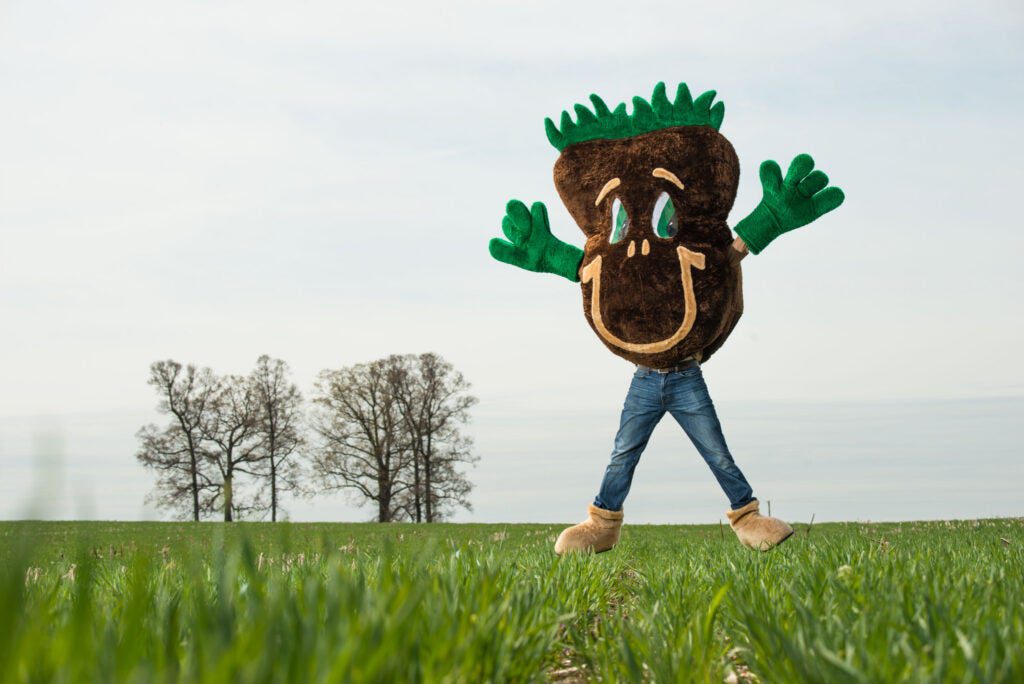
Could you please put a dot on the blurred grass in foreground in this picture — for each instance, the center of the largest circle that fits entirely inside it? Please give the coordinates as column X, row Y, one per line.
column 474, row 603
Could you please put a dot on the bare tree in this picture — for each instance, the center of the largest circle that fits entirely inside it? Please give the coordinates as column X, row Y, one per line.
column 434, row 403
column 363, row 448
column 230, row 429
column 277, row 428
column 176, row 452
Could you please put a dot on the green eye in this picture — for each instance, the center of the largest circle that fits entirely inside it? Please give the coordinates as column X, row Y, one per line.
column 664, row 219
column 620, row 222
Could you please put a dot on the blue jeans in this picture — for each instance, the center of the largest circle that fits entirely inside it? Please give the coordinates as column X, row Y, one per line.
column 684, row 395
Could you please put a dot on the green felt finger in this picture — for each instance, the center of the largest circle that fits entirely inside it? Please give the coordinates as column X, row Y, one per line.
column 511, row 231
column 798, row 169
column 827, row 200
column 815, row 181
column 504, row 252
column 520, row 215
column 539, row 214
column 771, row 176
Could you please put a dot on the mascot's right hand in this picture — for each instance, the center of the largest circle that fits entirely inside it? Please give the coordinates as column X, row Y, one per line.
column 529, row 243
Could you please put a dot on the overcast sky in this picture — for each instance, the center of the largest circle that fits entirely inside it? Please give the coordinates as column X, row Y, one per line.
column 318, row 181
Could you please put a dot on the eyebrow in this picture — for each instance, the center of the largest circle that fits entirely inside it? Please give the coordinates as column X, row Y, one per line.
column 608, row 187
column 669, row 176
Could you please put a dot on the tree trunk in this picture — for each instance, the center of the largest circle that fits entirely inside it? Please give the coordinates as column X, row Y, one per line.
column 273, row 490
column 195, row 488
column 273, row 465
column 417, row 490
column 227, row 499
column 428, row 487
column 194, row 468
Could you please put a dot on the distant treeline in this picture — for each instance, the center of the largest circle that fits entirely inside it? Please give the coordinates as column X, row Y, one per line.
column 388, row 432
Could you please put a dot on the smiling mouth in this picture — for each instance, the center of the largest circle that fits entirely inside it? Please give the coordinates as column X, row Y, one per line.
column 687, row 261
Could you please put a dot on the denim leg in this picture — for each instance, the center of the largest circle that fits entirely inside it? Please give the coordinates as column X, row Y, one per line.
column 689, row 402
column 640, row 414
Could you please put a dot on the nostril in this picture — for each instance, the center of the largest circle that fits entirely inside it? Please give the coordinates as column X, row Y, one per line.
column 646, row 248
column 632, row 249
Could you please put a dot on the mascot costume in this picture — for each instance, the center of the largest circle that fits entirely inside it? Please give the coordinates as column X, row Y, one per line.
column 660, row 273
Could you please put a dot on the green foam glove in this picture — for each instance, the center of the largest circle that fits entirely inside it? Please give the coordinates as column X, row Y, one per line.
column 531, row 245
column 788, row 203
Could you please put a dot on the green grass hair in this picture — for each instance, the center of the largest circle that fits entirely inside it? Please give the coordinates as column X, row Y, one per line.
column 659, row 113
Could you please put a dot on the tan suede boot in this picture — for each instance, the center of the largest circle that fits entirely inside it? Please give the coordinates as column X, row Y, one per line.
column 597, row 533
column 758, row 531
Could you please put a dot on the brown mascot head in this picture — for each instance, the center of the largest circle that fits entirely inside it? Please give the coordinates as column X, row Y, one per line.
column 651, row 191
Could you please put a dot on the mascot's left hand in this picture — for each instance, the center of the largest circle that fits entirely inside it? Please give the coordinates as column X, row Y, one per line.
column 788, row 203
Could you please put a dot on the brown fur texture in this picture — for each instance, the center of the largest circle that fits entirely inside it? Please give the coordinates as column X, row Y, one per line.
column 599, row 532
column 758, row 531
column 642, row 296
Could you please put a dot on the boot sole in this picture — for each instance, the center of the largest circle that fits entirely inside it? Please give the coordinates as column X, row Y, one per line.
column 589, row 550
column 775, row 545
column 779, row 543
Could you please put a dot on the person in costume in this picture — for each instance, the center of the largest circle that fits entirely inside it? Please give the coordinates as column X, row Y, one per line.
column 660, row 273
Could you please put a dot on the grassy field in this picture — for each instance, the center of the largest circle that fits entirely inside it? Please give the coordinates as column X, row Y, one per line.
column 475, row 603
